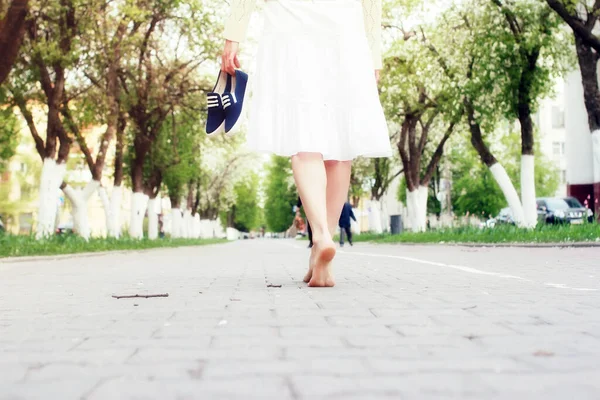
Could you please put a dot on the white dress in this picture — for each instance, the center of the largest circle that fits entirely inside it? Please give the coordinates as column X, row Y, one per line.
column 314, row 89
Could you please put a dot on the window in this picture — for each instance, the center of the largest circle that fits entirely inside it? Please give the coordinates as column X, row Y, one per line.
column 556, row 148
column 558, row 118
column 563, row 176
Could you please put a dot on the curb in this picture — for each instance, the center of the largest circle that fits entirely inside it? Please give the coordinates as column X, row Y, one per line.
column 13, row 260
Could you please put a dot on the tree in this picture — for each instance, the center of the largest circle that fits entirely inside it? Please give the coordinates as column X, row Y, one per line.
column 221, row 165
column 421, row 103
column 244, row 214
column 532, row 28
column 107, row 41
column 176, row 152
column 509, row 55
column 157, row 81
column 9, row 134
column 281, row 195
column 12, row 31
column 582, row 17
column 474, row 189
column 52, row 49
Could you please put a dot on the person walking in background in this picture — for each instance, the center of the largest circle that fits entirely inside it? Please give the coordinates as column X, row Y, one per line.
column 315, row 100
column 345, row 224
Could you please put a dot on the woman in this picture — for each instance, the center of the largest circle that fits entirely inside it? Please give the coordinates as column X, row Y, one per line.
column 315, row 100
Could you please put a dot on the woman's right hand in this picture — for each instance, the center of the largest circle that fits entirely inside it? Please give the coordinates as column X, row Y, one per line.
column 229, row 58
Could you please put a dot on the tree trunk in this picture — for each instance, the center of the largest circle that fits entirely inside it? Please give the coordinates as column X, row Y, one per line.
column 527, row 139
column 50, row 182
column 528, row 191
column 187, row 225
column 527, row 168
column 139, row 203
column 375, row 217
column 12, row 31
column 79, row 202
column 176, row 223
column 509, row 191
column 497, row 170
column 188, row 216
column 588, row 64
column 417, row 208
column 112, row 210
column 153, row 205
column 196, row 226
column 176, row 217
column 477, row 137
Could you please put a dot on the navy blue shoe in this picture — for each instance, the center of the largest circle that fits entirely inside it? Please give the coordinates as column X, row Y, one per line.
column 215, row 122
column 233, row 102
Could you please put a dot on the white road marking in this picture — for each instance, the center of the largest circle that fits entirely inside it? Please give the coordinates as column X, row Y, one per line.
column 563, row 286
column 457, row 267
column 439, row 264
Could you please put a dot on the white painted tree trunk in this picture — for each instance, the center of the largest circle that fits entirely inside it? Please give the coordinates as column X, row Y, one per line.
column 510, row 193
column 385, row 216
column 233, row 234
column 528, row 190
column 79, row 201
column 176, row 222
column 197, row 226
column 153, row 218
column 375, row 217
column 206, row 230
column 112, row 210
column 188, row 224
column 116, row 198
column 51, row 179
column 106, row 206
column 139, row 203
column 417, row 208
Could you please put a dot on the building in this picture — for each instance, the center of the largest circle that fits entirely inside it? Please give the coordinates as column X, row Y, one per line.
column 550, row 120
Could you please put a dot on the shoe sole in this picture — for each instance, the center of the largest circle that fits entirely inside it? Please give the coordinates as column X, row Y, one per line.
column 217, row 131
column 236, row 127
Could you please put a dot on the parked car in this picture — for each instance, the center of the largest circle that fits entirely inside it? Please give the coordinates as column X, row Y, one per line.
column 574, row 203
column 556, row 210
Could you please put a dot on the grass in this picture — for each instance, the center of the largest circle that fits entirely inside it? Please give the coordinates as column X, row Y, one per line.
column 500, row 234
column 20, row 246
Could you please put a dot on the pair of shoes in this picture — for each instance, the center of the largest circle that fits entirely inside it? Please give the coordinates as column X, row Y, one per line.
column 225, row 103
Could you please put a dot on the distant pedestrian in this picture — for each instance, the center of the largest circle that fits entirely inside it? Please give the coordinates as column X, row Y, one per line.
column 345, row 223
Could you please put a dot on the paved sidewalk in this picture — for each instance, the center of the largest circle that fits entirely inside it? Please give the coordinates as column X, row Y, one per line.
column 404, row 322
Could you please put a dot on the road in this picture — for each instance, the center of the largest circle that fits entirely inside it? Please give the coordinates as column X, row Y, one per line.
column 403, row 322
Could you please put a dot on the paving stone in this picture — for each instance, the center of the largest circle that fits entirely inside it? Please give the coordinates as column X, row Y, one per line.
column 395, row 326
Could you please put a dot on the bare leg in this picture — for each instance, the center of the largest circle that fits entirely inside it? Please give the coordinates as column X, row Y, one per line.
column 311, row 181
column 338, row 184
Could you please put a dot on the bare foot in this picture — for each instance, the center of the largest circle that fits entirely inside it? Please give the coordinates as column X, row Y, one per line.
column 319, row 274
column 311, row 264
column 310, row 267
